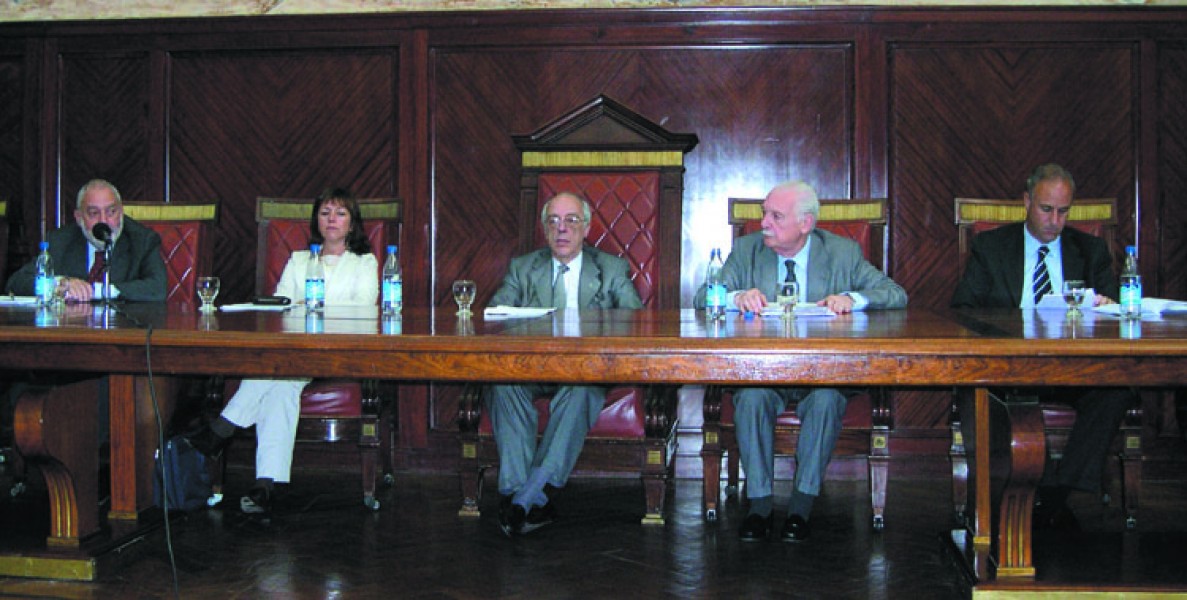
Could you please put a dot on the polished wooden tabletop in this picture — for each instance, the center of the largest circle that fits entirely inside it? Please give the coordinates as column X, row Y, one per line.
column 903, row 347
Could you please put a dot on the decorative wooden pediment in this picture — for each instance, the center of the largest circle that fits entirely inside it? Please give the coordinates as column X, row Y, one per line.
column 630, row 170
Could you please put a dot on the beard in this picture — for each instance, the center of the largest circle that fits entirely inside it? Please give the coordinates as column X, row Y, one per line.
column 95, row 243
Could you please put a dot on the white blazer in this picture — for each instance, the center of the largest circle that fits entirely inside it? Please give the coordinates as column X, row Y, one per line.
column 352, row 281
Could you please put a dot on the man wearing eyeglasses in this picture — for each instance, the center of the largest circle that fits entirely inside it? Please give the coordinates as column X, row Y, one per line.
column 566, row 275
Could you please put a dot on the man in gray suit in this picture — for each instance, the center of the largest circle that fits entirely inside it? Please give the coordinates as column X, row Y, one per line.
column 790, row 248
column 137, row 271
column 566, row 275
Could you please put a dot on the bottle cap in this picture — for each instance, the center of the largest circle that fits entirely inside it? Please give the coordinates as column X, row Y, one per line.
column 1131, row 249
column 44, row 245
column 391, row 249
column 315, row 247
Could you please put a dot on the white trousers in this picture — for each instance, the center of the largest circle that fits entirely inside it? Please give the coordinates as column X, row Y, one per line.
column 273, row 406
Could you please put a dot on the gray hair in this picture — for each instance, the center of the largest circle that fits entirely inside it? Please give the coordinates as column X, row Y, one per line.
column 1048, row 172
column 808, row 203
column 95, row 184
column 585, row 212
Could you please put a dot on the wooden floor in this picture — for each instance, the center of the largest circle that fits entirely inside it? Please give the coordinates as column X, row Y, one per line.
column 323, row 544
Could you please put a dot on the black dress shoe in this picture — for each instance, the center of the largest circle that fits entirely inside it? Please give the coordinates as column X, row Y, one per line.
column 538, row 517
column 795, row 529
column 511, row 517
column 206, row 441
column 258, row 501
column 755, row 528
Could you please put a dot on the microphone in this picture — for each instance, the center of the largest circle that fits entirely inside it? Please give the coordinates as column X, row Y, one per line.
column 102, row 232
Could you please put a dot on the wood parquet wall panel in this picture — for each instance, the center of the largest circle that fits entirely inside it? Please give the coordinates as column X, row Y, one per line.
column 278, row 124
column 763, row 115
column 104, row 125
column 1172, row 169
column 12, row 181
column 974, row 122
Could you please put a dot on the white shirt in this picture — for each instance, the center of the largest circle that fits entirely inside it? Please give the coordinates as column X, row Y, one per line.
column 1031, row 258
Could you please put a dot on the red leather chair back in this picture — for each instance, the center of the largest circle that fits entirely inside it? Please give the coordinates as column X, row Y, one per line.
column 284, row 228
column 625, row 218
column 185, row 243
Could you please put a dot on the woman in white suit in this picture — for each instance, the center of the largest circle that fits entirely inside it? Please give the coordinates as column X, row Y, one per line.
column 274, row 405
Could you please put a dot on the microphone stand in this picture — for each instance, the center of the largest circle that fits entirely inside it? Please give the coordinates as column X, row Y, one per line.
column 108, row 305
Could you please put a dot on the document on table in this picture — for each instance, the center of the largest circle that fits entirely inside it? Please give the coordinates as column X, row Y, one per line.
column 803, row 309
column 1150, row 306
column 18, row 300
column 246, row 306
column 515, row 312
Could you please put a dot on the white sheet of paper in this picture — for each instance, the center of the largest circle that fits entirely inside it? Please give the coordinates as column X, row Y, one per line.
column 515, row 312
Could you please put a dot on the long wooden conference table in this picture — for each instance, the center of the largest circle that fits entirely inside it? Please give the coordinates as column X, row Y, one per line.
column 973, row 351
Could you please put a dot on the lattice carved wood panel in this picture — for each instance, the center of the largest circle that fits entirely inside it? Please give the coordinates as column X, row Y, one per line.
column 12, row 176
column 278, row 124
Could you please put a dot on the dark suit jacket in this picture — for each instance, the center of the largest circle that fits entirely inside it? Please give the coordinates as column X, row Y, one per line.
column 605, row 281
column 994, row 274
column 835, row 265
column 137, row 269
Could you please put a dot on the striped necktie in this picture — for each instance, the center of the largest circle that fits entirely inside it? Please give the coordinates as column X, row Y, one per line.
column 790, row 271
column 1042, row 279
column 96, row 273
column 560, row 297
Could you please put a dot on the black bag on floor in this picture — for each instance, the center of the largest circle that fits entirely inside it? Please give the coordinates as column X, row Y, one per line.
column 188, row 481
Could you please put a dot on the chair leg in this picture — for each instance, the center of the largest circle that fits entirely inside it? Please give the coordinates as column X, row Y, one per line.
column 369, row 456
column 1131, row 466
column 733, row 462
column 656, row 490
column 879, row 468
column 960, row 470
column 471, row 489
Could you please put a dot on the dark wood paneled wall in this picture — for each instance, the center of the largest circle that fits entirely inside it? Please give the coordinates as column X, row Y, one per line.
column 920, row 106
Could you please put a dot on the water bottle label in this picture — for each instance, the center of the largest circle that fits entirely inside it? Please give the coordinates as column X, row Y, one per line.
column 315, row 291
column 43, row 287
column 1131, row 297
column 715, row 297
column 393, row 292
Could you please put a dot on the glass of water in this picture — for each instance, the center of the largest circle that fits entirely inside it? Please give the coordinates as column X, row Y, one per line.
column 1073, row 295
column 789, row 295
column 463, row 294
column 207, row 292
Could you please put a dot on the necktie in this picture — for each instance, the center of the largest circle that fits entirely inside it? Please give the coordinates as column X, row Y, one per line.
column 96, row 273
column 790, row 271
column 1042, row 280
column 560, row 297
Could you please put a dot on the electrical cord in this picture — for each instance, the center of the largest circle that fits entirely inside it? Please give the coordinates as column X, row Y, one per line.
column 152, row 391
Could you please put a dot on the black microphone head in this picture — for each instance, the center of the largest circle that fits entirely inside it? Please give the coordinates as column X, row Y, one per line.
column 102, row 232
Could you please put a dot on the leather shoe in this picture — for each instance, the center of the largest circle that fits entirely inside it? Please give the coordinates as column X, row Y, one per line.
column 258, row 501
column 511, row 517
column 755, row 528
column 538, row 517
column 795, row 529
column 206, row 441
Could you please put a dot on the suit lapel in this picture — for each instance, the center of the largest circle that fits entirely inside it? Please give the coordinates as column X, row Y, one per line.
column 1073, row 260
column 541, row 280
column 766, row 271
column 1016, row 264
column 819, row 270
column 591, row 277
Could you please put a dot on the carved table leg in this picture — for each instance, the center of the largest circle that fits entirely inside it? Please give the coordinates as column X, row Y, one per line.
column 1019, row 450
column 56, row 429
column 134, row 441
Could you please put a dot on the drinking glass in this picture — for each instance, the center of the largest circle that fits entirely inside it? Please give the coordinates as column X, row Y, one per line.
column 463, row 294
column 1073, row 295
column 207, row 291
column 789, row 295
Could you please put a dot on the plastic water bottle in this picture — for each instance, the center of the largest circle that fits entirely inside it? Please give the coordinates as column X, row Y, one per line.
column 43, row 279
column 393, row 284
column 315, row 280
column 1131, row 286
column 715, row 287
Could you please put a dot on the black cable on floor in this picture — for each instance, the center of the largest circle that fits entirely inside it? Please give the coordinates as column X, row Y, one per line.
column 152, row 392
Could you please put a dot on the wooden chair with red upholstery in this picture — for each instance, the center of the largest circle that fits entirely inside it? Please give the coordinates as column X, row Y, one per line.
column 631, row 172
column 866, row 424
column 185, row 243
column 340, row 412
column 1096, row 216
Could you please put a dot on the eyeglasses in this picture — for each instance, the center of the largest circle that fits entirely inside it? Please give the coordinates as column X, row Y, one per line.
column 570, row 221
